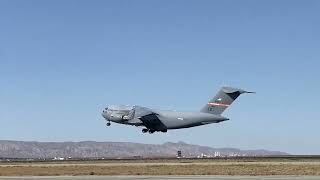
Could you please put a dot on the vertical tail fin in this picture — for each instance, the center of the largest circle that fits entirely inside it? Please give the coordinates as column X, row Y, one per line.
column 222, row 100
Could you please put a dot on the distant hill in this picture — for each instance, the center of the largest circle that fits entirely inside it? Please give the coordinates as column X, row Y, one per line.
column 92, row 149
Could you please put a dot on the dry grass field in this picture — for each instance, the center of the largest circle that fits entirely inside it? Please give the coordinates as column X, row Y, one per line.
column 252, row 167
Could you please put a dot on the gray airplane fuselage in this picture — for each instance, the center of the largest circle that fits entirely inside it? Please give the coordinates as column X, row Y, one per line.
column 163, row 120
column 167, row 119
column 180, row 119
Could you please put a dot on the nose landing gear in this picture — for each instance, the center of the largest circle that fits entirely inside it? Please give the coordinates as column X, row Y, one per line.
column 108, row 123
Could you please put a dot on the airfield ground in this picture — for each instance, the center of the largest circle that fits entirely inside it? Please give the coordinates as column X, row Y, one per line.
column 300, row 166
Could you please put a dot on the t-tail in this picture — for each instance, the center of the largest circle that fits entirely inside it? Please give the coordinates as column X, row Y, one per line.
column 222, row 100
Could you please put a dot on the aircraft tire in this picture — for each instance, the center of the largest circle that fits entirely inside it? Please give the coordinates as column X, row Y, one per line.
column 151, row 131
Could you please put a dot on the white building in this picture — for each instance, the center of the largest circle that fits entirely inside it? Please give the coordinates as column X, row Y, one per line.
column 217, row 154
column 58, row 158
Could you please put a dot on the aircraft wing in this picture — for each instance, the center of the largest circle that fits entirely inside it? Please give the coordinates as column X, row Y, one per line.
column 149, row 118
column 142, row 111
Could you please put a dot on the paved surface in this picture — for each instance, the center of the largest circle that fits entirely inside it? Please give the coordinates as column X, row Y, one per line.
column 162, row 177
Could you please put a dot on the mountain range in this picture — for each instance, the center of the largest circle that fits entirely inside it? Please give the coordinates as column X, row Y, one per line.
column 92, row 149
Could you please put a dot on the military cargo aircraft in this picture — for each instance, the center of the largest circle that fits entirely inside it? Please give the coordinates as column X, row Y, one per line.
column 162, row 120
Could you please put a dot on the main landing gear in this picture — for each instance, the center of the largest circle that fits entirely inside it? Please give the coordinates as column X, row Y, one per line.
column 148, row 130
column 108, row 123
column 151, row 131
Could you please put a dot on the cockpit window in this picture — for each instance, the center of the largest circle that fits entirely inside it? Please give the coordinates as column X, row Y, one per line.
column 119, row 109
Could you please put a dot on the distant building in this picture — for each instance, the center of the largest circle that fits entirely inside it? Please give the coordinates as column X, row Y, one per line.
column 234, row 155
column 58, row 158
column 203, row 156
column 179, row 154
column 217, row 154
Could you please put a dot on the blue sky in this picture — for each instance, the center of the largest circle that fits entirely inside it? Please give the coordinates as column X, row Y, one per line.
column 62, row 62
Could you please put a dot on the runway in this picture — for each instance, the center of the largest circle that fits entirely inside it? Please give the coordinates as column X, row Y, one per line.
column 160, row 177
column 284, row 168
